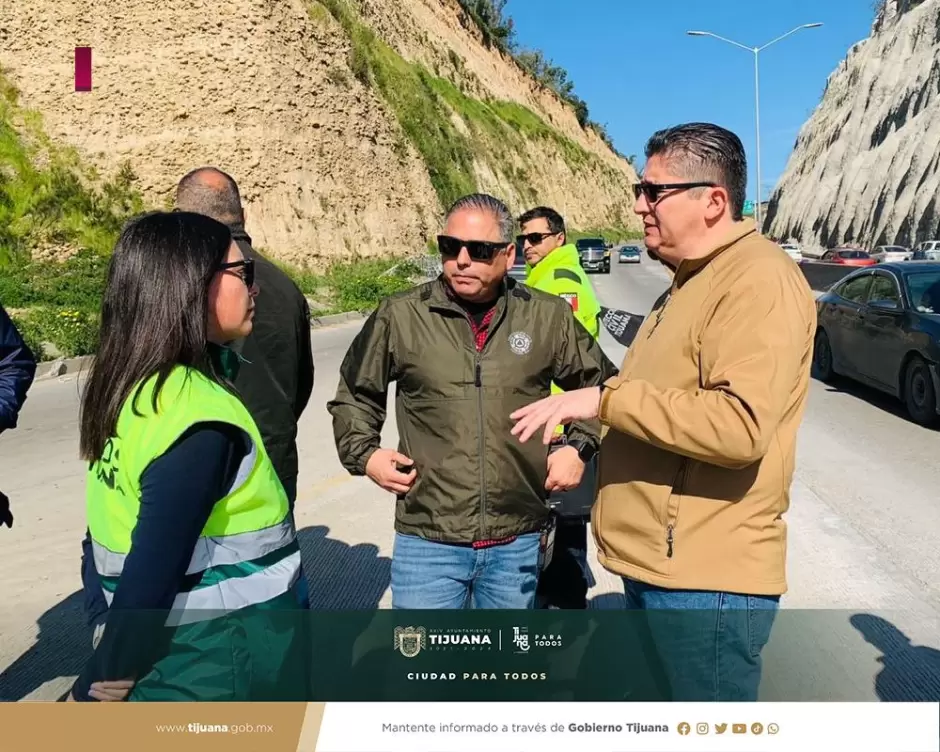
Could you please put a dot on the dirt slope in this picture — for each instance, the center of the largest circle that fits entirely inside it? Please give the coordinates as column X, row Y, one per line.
column 264, row 90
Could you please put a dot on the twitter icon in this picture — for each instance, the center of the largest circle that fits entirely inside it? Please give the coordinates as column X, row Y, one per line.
column 720, row 728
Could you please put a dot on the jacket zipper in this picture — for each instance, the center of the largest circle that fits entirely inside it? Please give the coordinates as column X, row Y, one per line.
column 671, row 525
column 478, row 382
column 659, row 314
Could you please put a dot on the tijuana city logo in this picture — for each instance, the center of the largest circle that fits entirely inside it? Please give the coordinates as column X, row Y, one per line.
column 520, row 343
column 410, row 641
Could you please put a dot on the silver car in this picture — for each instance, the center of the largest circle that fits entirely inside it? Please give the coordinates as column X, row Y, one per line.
column 888, row 254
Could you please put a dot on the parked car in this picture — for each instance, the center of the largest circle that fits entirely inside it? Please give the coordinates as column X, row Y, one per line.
column 595, row 255
column 881, row 327
column 890, row 253
column 927, row 246
column 793, row 251
column 922, row 254
column 629, row 254
column 848, row 257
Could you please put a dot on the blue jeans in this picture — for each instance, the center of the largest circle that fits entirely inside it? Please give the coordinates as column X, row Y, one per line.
column 431, row 575
column 707, row 644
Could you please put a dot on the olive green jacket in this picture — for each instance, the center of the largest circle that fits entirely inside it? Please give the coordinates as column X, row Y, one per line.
column 474, row 480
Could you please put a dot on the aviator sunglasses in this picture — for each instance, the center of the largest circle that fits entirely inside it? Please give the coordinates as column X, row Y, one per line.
column 248, row 273
column 654, row 191
column 478, row 250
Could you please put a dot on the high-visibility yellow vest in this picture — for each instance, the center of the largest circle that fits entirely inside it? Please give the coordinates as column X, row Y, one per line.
column 247, row 553
column 560, row 273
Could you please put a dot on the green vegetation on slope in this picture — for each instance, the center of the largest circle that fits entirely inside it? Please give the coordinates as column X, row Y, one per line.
column 423, row 104
column 499, row 31
column 49, row 200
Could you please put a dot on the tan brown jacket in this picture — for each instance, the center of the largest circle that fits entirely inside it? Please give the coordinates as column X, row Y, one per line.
column 695, row 470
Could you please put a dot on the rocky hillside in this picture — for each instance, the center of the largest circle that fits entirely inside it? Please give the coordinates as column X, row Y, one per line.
column 349, row 124
column 866, row 166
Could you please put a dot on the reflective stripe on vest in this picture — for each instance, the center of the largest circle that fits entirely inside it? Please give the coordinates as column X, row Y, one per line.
column 232, row 594
column 210, row 552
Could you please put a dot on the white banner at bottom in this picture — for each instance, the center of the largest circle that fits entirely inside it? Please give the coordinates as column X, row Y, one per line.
column 629, row 727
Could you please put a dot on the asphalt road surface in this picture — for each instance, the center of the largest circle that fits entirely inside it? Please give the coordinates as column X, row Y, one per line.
column 864, row 549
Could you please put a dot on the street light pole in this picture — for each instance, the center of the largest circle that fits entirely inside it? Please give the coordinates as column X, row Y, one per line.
column 758, row 209
column 756, row 52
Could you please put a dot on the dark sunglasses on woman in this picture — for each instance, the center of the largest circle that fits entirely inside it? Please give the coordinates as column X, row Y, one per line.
column 478, row 250
column 248, row 267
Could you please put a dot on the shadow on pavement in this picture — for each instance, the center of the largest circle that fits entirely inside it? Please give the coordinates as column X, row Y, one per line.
column 911, row 673
column 872, row 396
column 63, row 646
column 341, row 576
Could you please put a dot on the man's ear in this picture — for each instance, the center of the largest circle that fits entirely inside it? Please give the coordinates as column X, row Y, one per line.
column 718, row 203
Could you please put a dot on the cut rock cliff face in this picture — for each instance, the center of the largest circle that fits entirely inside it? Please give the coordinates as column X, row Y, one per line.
column 265, row 90
column 866, row 166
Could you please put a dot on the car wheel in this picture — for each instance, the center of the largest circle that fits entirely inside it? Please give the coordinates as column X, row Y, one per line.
column 607, row 269
column 920, row 397
column 822, row 357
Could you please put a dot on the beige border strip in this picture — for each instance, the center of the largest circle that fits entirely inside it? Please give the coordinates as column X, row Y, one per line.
column 313, row 722
column 157, row 727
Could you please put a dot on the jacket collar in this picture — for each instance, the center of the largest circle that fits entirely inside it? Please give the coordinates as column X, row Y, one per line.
column 563, row 257
column 688, row 268
column 438, row 295
column 238, row 232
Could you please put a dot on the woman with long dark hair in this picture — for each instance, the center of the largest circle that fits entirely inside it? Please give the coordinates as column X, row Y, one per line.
column 193, row 542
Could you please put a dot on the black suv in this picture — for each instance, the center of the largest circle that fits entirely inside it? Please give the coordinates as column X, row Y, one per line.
column 594, row 254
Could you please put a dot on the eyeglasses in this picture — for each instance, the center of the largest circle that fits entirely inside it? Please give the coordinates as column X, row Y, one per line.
column 533, row 238
column 653, row 191
column 478, row 250
column 248, row 275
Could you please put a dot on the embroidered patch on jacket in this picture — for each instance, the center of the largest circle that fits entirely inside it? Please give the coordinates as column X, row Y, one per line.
column 520, row 343
column 572, row 298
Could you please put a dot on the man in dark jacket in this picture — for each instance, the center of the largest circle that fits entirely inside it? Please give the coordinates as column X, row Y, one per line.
column 17, row 370
column 276, row 380
column 465, row 351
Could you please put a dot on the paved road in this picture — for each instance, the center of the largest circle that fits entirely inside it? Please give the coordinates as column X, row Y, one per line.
column 865, row 536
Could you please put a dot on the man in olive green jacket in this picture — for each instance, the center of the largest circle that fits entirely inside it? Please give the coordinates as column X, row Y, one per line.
column 465, row 351
column 554, row 266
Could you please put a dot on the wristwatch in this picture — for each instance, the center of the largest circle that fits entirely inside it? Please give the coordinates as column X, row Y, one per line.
column 586, row 449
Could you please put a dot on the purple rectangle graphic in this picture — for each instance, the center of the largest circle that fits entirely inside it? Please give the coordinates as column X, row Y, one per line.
column 83, row 69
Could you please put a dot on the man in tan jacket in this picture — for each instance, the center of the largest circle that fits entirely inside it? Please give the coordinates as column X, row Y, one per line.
column 696, row 466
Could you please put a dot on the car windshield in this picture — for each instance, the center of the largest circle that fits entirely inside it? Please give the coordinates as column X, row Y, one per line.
column 630, row 249
column 590, row 243
column 924, row 290
column 894, row 249
column 853, row 254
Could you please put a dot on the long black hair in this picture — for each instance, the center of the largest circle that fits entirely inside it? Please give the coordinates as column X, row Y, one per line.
column 153, row 316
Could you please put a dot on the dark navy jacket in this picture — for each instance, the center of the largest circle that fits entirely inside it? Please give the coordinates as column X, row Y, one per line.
column 17, row 369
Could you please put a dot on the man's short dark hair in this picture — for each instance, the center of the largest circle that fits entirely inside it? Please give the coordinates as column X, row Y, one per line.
column 209, row 191
column 704, row 152
column 556, row 223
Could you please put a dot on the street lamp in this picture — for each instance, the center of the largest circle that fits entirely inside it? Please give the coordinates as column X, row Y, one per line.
column 756, row 51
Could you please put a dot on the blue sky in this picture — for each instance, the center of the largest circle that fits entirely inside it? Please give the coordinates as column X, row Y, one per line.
column 634, row 65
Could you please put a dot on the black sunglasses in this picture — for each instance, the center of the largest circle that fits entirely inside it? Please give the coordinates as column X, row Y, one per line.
column 533, row 238
column 478, row 250
column 248, row 275
column 654, row 191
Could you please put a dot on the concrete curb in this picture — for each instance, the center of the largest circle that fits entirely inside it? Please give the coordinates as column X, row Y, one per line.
column 318, row 322
column 53, row 369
